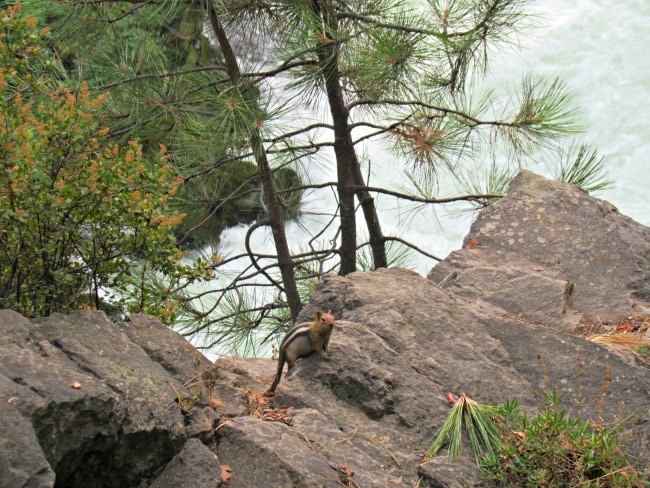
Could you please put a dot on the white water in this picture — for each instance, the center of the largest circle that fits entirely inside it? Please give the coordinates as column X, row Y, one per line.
column 599, row 48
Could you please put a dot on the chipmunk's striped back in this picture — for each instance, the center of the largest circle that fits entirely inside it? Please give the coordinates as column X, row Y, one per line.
column 303, row 339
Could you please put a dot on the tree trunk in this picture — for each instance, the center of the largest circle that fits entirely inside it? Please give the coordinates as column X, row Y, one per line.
column 344, row 150
column 348, row 168
column 273, row 207
column 377, row 241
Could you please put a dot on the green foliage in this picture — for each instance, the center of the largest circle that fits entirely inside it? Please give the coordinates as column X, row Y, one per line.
column 493, row 180
column 398, row 254
column 187, row 403
column 76, row 211
column 242, row 328
column 545, row 109
column 551, row 449
column 168, row 85
column 216, row 200
column 581, row 166
column 478, row 423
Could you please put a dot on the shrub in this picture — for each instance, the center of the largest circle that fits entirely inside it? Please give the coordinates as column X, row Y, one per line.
column 551, row 449
column 76, row 212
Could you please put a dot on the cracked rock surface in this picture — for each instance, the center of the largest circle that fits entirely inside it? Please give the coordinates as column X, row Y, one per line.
column 87, row 402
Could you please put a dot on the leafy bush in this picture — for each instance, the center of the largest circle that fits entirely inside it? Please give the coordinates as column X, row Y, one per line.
column 76, row 212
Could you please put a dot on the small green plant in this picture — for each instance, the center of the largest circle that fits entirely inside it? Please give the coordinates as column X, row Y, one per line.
column 187, row 403
column 478, row 422
column 551, row 449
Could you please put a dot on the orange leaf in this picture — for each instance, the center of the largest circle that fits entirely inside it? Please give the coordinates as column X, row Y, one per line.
column 226, row 473
column 214, row 403
column 342, row 468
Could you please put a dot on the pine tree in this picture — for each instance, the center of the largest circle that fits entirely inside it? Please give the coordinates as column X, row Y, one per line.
column 358, row 72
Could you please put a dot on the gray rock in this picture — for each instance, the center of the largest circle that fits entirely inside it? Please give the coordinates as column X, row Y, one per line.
column 15, row 327
column 550, row 253
column 271, row 455
column 82, row 400
column 439, row 472
column 178, row 357
column 195, row 465
column 402, row 343
column 22, row 463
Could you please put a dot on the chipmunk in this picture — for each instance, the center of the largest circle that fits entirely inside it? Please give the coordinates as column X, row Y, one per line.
column 301, row 340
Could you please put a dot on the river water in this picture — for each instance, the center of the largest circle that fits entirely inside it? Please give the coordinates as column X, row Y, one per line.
column 601, row 49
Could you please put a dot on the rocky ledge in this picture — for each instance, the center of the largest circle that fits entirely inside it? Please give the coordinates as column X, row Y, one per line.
column 86, row 402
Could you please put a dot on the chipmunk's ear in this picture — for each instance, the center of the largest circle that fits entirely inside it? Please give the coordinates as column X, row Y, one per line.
column 319, row 315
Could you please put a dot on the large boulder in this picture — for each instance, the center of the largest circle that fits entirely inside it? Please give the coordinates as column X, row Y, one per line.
column 491, row 321
column 401, row 343
column 551, row 254
column 84, row 405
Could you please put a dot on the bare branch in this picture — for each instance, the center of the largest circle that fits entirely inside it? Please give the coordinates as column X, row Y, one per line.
column 412, row 246
column 412, row 198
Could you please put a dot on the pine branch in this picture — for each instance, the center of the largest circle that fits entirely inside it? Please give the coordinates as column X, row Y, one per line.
column 387, row 25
